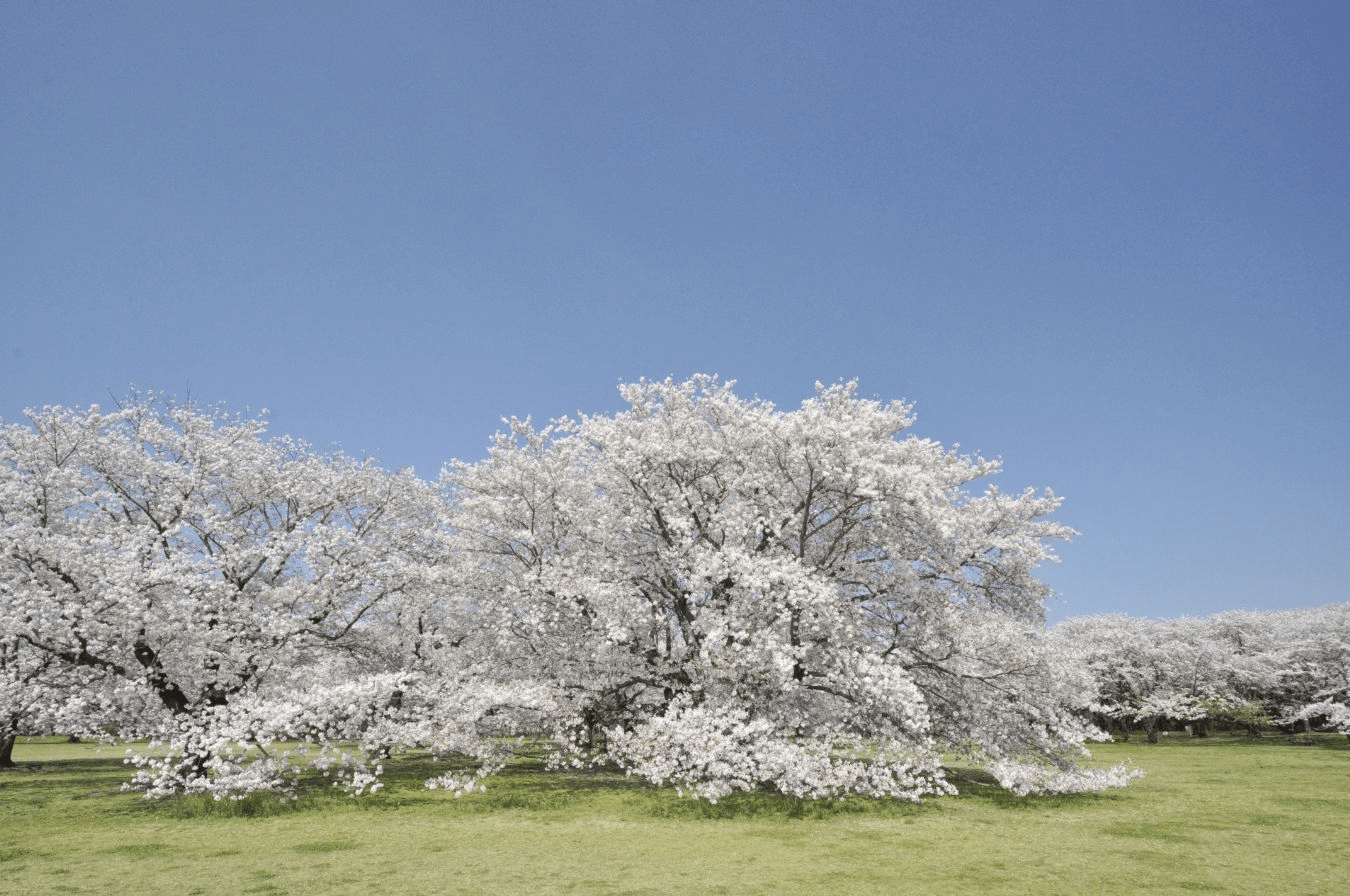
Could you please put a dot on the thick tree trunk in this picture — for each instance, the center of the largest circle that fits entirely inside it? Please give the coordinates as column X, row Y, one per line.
column 7, row 749
column 169, row 693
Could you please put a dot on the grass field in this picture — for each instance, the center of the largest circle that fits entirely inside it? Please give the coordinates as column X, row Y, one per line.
column 1213, row 816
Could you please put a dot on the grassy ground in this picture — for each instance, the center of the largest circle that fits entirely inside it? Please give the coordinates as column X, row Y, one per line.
column 1218, row 816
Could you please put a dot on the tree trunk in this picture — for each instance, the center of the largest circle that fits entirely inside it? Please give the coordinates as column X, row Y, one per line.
column 169, row 693
column 7, row 749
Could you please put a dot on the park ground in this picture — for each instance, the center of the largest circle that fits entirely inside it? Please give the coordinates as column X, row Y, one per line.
column 1221, row 815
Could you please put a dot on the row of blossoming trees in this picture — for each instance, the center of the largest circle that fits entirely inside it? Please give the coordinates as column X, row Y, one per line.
column 1246, row 670
column 701, row 589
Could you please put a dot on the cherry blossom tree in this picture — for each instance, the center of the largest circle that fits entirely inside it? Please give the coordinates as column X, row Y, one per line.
column 174, row 570
column 715, row 593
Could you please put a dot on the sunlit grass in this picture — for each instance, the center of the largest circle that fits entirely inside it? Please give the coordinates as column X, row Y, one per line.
column 1219, row 816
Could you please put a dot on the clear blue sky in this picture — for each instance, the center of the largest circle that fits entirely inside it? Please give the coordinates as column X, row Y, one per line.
column 1108, row 242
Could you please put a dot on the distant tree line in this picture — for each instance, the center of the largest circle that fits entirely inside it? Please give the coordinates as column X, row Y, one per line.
column 1244, row 670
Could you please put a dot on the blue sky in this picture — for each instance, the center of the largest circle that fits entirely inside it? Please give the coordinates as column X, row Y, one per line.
column 1107, row 242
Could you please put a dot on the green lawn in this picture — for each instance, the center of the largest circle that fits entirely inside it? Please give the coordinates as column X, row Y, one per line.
column 1218, row 816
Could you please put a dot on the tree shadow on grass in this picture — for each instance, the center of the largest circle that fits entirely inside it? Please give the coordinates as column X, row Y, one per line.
column 1273, row 739
column 770, row 805
column 65, row 779
column 528, row 785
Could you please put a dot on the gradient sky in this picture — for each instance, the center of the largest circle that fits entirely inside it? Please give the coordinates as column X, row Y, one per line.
column 1108, row 242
